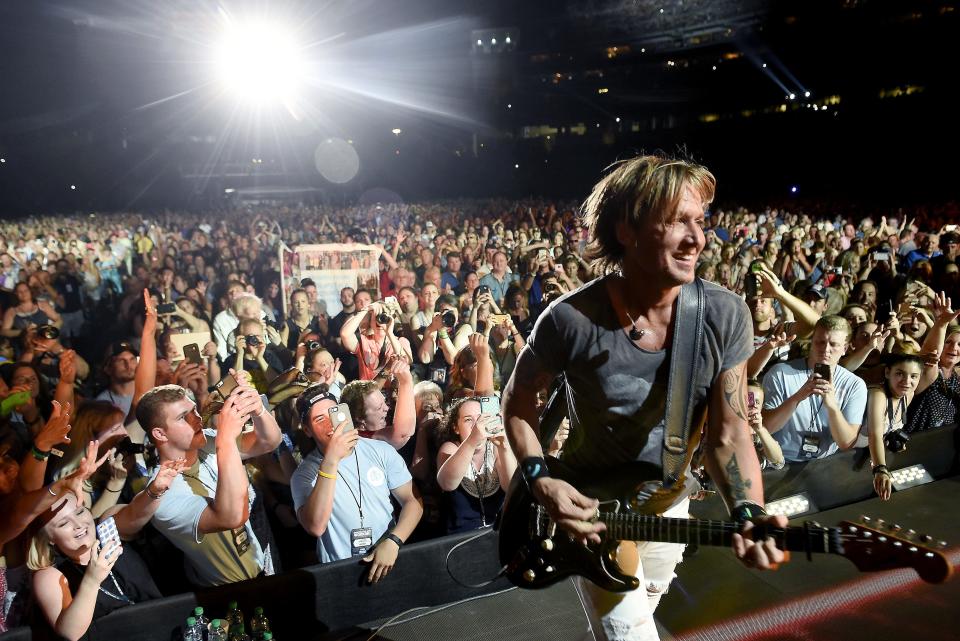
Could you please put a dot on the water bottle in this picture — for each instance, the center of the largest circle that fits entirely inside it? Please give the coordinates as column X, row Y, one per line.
column 217, row 631
column 258, row 624
column 234, row 615
column 202, row 623
column 190, row 630
column 238, row 633
column 268, row 636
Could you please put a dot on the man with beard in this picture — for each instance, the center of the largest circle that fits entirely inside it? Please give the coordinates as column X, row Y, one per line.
column 121, row 370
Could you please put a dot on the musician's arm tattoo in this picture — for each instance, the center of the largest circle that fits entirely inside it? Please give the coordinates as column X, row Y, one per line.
column 729, row 454
column 734, row 390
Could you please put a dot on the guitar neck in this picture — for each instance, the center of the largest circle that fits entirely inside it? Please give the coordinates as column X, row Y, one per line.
column 639, row 527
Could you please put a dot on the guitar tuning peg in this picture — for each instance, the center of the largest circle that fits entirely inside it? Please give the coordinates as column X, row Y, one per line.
column 910, row 534
column 815, row 524
column 925, row 538
column 881, row 523
column 941, row 544
column 865, row 519
column 895, row 527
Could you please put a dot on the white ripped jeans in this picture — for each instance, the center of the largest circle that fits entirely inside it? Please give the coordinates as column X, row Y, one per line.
column 629, row 616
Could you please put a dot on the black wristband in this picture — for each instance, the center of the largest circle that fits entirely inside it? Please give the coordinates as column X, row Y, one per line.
column 746, row 511
column 880, row 469
column 393, row 537
column 533, row 468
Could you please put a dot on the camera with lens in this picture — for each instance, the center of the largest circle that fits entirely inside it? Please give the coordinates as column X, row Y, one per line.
column 48, row 332
column 126, row 446
column 252, row 340
column 383, row 318
column 449, row 318
column 312, row 345
column 896, row 441
column 483, row 289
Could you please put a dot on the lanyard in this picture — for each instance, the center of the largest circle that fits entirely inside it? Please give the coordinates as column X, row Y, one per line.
column 203, row 461
column 121, row 597
column 358, row 501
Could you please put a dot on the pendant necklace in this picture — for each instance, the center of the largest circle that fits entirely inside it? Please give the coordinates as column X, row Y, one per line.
column 636, row 333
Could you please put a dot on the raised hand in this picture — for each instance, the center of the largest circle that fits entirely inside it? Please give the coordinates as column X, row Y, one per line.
column 164, row 478
column 55, row 430
column 68, row 367
column 943, row 312
column 88, row 465
column 479, row 344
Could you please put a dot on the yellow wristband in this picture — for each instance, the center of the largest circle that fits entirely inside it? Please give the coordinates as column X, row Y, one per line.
column 325, row 475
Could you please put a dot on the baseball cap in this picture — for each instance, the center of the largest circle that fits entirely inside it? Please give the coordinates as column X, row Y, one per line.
column 816, row 291
column 119, row 347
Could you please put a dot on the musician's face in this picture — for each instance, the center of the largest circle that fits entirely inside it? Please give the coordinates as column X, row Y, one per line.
column 668, row 252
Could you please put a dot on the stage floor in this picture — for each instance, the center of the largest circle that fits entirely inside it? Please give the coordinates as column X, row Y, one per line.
column 714, row 597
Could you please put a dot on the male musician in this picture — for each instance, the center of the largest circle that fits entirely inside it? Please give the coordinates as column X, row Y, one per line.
column 612, row 340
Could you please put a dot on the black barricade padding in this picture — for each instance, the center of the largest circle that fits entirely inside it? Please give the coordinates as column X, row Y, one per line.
column 308, row 603
column 845, row 477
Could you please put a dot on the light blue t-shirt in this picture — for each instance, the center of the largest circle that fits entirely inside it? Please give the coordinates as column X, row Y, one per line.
column 381, row 471
column 784, row 380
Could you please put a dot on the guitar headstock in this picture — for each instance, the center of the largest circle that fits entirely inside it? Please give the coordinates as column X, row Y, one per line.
column 875, row 545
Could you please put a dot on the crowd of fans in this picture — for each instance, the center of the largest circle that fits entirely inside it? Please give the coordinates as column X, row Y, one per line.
column 239, row 455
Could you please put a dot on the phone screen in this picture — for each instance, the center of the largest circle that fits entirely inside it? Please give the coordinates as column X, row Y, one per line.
column 751, row 399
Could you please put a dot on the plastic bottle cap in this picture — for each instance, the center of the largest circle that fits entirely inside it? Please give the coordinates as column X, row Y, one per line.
column 191, row 621
column 215, row 623
column 198, row 611
column 267, row 636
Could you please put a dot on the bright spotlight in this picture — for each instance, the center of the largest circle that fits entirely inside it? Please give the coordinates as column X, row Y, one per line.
column 793, row 96
column 259, row 62
column 396, row 131
column 806, row 94
column 794, row 189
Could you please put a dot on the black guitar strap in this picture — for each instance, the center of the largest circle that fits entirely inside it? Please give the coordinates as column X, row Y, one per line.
column 684, row 358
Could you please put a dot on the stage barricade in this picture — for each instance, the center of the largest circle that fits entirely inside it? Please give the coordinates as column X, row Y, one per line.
column 310, row 602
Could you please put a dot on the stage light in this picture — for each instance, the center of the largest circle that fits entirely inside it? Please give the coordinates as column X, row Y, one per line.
column 617, row 119
column 479, row 43
column 714, row 67
column 910, row 476
column 764, row 65
column 793, row 96
column 396, row 131
column 806, row 94
column 507, row 40
column 73, row 187
column 509, row 106
column 791, row 506
column 259, row 62
column 516, row 166
column 794, row 189
column 3, row 160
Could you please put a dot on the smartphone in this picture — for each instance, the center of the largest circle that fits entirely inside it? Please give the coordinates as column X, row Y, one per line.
column 881, row 255
column 226, row 385
column 107, row 533
column 191, row 353
column 166, row 308
column 751, row 399
column 340, row 415
column 541, row 254
column 949, row 228
column 756, row 267
column 822, row 370
column 498, row 319
column 491, row 405
column 750, row 287
column 789, row 327
column 12, row 401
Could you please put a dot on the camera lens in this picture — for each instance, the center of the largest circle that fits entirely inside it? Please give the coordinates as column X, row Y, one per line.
column 48, row 332
column 253, row 340
column 449, row 318
column 383, row 318
column 312, row 345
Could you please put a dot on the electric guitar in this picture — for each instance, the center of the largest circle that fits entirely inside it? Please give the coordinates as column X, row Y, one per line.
column 536, row 553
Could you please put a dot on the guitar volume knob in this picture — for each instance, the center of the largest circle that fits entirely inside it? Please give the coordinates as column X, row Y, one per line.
column 529, row 576
column 547, row 545
column 549, row 569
